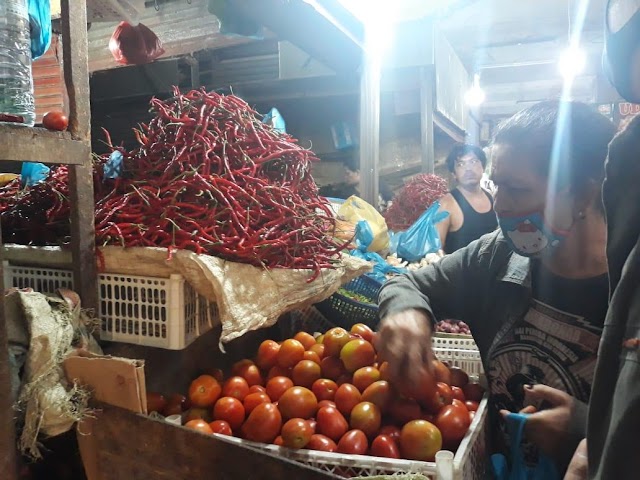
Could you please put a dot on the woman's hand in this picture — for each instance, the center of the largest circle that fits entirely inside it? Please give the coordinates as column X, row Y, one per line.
column 404, row 341
column 579, row 466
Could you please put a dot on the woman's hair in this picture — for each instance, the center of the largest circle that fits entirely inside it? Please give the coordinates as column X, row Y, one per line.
column 570, row 137
column 460, row 150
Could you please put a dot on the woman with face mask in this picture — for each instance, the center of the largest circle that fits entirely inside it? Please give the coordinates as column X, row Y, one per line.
column 534, row 293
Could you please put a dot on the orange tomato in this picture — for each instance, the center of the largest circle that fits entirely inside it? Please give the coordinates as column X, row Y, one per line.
column 305, row 373
column 296, row 433
column 236, row 387
column 365, row 376
column 200, row 426
column 305, row 339
column 324, row 389
column 363, row 330
column 277, row 386
column 332, row 368
column 278, row 371
column 366, row 416
column 384, row 371
column 267, row 354
column 204, row 391
column 347, row 397
column 252, row 400
column 318, row 349
column 291, row 352
column 264, row 424
column 334, row 340
column 357, row 354
column 230, row 410
column 313, row 356
column 380, row 394
column 420, row 440
column 298, row 402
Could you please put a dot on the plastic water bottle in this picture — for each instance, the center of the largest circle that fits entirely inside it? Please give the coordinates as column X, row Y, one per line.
column 16, row 81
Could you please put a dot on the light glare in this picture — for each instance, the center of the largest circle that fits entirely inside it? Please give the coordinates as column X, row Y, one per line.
column 572, row 63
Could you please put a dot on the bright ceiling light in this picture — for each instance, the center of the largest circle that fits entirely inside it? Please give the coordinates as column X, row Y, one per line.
column 572, row 62
column 475, row 95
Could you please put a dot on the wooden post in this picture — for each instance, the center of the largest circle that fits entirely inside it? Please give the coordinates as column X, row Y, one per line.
column 427, row 105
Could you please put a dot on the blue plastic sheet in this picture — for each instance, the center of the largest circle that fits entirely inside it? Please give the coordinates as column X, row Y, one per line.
column 40, row 26
column 518, row 469
column 364, row 237
column 33, row 173
column 420, row 238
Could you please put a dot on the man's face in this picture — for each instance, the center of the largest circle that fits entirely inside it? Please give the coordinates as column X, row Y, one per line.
column 351, row 177
column 468, row 170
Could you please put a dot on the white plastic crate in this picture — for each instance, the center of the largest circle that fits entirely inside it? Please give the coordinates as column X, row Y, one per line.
column 155, row 312
column 458, row 351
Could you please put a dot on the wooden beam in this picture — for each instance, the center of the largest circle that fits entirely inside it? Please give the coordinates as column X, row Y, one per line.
column 19, row 143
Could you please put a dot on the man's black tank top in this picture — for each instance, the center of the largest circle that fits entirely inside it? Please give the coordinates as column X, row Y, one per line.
column 474, row 225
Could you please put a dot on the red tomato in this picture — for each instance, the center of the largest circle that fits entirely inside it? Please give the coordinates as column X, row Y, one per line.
column 404, row 410
column 318, row 349
column 472, row 406
column 326, row 403
column 344, row 378
column 298, row 402
column 313, row 356
column 221, row 427
column 391, row 431
column 267, row 354
column 217, row 374
column 230, row 410
column 472, row 415
column 278, row 371
column 420, row 440
column 305, row 339
column 278, row 441
column 357, row 354
column 313, row 424
column 204, row 391
column 366, row 416
column 324, row 389
column 385, row 446
column 354, row 442
column 331, row 423
column 257, row 389
column 200, row 426
column 459, row 403
column 334, row 340
column 473, row 391
column 459, row 377
column 321, row 443
column 365, row 376
column 442, row 372
column 379, row 393
column 236, row 387
column 296, row 433
column 156, row 402
column 305, row 373
column 277, row 386
column 347, row 397
column 291, row 352
column 363, row 330
column 458, row 394
column 250, row 372
column 443, row 396
column 176, row 404
column 264, row 424
column 453, row 422
column 55, row 121
column 332, row 367
column 252, row 400
column 197, row 414
column 423, row 391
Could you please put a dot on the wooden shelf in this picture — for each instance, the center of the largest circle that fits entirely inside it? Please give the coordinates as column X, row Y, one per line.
column 21, row 143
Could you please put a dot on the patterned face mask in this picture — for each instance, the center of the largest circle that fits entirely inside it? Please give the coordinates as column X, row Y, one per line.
column 529, row 235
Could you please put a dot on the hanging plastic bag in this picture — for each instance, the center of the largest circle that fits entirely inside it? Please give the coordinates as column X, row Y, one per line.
column 355, row 209
column 275, row 120
column 421, row 238
column 518, row 469
column 137, row 45
column 40, row 26
column 364, row 237
column 33, row 173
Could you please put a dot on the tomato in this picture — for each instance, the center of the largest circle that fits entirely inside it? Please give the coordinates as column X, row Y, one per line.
column 332, row 368
column 278, row 441
column 318, row 349
column 429, row 417
column 404, row 410
column 334, row 340
column 267, row 354
column 230, row 410
column 156, row 402
column 296, row 433
column 200, row 426
column 472, row 406
column 252, row 400
column 354, row 442
column 446, row 393
column 298, row 402
column 250, row 372
column 385, row 446
column 472, row 415
column 257, row 389
column 378, row 393
column 320, row 339
column 391, row 431
column 384, row 371
column 366, row 416
column 217, row 374
column 321, row 443
column 312, row 356
column 423, row 390
column 459, row 377
column 291, row 352
column 344, row 378
column 326, row 403
column 55, row 121
column 420, row 440
column 441, row 372
column 324, row 389
column 441, row 397
column 347, row 397
column 306, row 339
column 305, row 373
column 264, row 423
column 278, row 371
column 473, row 391
column 331, row 423
column 197, row 414
column 357, row 354
column 277, row 386
column 221, row 427
column 176, row 404
column 453, row 422
column 365, row 376
column 458, row 393
column 313, row 424
column 236, row 387
column 459, row 403
column 363, row 330
column 204, row 391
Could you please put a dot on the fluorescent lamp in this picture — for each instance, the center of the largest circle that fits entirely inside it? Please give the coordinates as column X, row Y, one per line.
column 475, row 95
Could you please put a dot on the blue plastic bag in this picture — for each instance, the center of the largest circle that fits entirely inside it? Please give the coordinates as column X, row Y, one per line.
column 274, row 118
column 518, row 470
column 113, row 167
column 421, row 238
column 33, row 173
column 364, row 237
column 40, row 26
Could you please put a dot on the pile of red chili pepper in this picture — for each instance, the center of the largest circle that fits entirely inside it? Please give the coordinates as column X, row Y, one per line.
column 416, row 196
column 208, row 176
